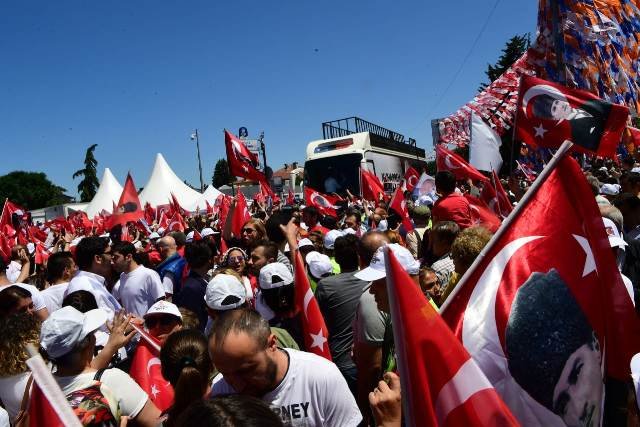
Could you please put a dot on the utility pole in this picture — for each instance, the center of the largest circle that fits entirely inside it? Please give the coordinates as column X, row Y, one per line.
column 197, row 138
column 264, row 155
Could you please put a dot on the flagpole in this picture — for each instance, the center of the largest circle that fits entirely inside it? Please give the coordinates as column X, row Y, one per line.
column 506, row 224
column 199, row 162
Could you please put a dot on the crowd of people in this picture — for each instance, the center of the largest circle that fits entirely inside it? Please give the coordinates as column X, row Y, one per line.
column 222, row 306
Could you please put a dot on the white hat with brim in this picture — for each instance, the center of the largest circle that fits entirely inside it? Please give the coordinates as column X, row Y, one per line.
column 163, row 307
column 207, row 232
column 66, row 327
column 376, row 269
column 225, row 292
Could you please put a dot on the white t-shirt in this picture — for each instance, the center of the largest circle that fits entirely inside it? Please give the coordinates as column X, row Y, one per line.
column 36, row 295
column 312, row 393
column 13, row 271
column 11, row 392
column 139, row 290
column 167, row 282
column 86, row 281
column 54, row 295
column 131, row 398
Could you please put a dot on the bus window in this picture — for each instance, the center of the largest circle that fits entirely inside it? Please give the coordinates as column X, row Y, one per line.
column 334, row 174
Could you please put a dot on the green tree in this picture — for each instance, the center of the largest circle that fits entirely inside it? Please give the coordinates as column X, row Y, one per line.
column 31, row 190
column 514, row 49
column 89, row 184
column 221, row 175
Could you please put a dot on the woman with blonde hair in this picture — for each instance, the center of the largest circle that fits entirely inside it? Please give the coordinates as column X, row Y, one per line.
column 252, row 231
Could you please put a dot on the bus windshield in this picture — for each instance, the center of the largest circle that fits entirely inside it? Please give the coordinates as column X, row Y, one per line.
column 334, row 174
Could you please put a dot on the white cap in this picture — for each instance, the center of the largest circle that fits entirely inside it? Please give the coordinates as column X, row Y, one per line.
column 304, row 242
column 636, row 170
column 154, row 235
column 319, row 264
column 610, row 189
column 615, row 240
column 376, row 269
column 225, row 292
column 190, row 236
column 31, row 247
column 66, row 327
column 348, row 230
column 207, row 232
column 163, row 307
column 330, row 238
column 274, row 275
column 137, row 244
column 161, row 230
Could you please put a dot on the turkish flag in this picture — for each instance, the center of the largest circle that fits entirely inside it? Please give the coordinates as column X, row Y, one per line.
column 80, row 220
column 482, row 214
column 5, row 248
column 147, row 372
column 10, row 208
column 41, row 413
column 399, row 204
column 546, row 303
column 175, row 205
column 176, row 223
column 240, row 215
column 449, row 161
column 149, row 213
column 290, row 198
column 224, row 204
column 42, row 255
column 325, row 203
column 313, row 327
column 441, row 383
column 503, row 199
column 372, row 188
column 209, row 208
column 549, row 113
column 128, row 208
column 241, row 161
column 489, row 197
column 411, row 178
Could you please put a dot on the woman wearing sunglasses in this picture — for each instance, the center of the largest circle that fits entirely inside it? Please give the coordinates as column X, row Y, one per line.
column 162, row 319
column 236, row 259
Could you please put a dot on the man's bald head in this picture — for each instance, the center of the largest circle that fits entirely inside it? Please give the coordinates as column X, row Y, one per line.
column 369, row 244
column 166, row 246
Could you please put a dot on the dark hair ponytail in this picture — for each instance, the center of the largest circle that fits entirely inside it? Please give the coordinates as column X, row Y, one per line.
column 186, row 365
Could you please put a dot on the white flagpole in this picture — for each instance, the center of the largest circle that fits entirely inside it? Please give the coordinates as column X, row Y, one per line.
column 564, row 148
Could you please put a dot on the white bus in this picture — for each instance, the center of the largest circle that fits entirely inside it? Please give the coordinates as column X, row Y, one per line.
column 332, row 165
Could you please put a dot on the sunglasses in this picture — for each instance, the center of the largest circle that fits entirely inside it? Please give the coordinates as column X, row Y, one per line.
column 248, row 230
column 162, row 320
column 236, row 259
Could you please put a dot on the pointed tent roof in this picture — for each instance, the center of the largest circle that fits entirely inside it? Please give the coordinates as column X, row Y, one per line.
column 162, row 182
column 108, row 193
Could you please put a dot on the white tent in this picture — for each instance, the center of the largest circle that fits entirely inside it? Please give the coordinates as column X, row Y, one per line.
column 210, row 195
column 163, row 182
column 108, row 193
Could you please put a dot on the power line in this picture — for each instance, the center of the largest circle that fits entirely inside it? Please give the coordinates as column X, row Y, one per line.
column 465, row 59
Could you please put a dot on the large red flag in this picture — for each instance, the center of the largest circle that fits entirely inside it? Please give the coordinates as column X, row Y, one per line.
column 545, row 303
column 313, row 326
column 241, row 161
column 399, row 205
column 441, row 383
column 449, row 161
column 128, row 208
column 146, row 371
column 324, row 203
column 175, row 205
column 372, row 188
column 176, row 223
column 240, row 215
column 481, row 214
column 549, row 113
column 411, row 178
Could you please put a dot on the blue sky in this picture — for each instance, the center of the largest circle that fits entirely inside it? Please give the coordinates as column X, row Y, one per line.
column 137, row 77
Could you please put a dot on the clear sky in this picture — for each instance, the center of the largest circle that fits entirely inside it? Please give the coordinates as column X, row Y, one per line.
column 136, row 77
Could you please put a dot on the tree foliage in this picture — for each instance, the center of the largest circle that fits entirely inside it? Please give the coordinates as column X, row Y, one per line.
column 88, row 187
column 31, row 190
column 514, row 49
column 221, row 175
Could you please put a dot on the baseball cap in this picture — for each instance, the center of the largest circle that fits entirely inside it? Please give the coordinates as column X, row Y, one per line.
column 319, row 264
column 66, row 327
column 207, row 232
column 610, row 189
column 330, row 238
column 376, row 269
column 154, row 235
column 225, row 292
column 274, row 275
column 163, row 307
column 190, row 236
column 615, row 240
column 304, row 242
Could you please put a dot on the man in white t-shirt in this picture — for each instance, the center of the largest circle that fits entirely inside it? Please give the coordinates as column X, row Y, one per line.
column 60, row 269
column 67, row 337
column 139, row 287
column 303, row 388
column 93, row 256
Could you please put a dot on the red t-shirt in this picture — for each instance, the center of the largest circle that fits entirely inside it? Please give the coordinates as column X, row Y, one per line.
column 453, row 207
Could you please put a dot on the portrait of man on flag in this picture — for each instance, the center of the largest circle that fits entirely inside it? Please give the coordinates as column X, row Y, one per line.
column 552, row 350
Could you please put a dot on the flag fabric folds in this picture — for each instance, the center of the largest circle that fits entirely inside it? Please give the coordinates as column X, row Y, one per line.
column 449, row 161
column 325, row 203
column 399, row 205
column 241, row 161
column 546, row 303
column 441, row 383
column 313, row 327
column 240, row 214
column 411, row 178
column 372, row 188
column 128, row 208
column 484, row 146
column 549, row 113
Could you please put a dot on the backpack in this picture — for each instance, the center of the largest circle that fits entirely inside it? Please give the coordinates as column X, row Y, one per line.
column 95, row 405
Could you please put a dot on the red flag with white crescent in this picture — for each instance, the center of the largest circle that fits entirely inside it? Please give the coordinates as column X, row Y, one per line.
column 399, row 205
column 241, row 161
column 411, row 178
column 372, row 188
column 240, row 215
column 441, row 383
column 449, row 161
column 323, row 202
column 545, row 304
